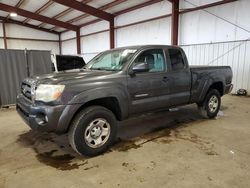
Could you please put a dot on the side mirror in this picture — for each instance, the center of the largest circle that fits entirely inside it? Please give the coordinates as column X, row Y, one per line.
column 140, row 67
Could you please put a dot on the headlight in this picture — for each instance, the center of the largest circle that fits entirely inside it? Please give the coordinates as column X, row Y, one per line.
column 33, row 91
column 48, row 93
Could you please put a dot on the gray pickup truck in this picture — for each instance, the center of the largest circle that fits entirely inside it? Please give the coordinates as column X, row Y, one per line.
column 118, row 83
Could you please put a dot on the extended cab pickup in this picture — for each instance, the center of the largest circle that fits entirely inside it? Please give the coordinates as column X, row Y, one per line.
column 114, row 85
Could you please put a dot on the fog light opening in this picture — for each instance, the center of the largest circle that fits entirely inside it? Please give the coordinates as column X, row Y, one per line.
column 41, row 119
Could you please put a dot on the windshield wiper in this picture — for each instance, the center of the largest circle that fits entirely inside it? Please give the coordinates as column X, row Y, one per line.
column 102, row 68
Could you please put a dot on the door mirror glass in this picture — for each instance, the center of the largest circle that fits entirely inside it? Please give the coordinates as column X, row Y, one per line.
column 140, row 67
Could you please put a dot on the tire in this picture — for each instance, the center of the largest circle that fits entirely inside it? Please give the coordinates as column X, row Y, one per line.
column 210, row 107
column 92, row 131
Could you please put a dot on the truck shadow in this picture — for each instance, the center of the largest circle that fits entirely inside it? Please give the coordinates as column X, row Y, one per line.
column 54, row 150
column 153, row 122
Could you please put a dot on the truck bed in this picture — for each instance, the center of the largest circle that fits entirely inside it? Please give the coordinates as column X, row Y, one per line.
column 203, row 75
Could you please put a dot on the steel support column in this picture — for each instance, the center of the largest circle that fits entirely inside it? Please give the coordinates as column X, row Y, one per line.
column 78, row 41
column 4, row 36
column 60, row 44
column 111, row 34
column 175, row 22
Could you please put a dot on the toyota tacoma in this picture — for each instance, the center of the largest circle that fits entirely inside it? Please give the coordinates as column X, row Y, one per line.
column 88, row 103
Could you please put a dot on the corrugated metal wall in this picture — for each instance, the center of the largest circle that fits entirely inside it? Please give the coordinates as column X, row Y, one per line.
column 15, row 65
column 234, row 53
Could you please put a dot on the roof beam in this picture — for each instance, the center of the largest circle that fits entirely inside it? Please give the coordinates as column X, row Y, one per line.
column 66, row 11
column 42, row 8
column 86, row 9
column 38, row 17
column 104, row 7
column 88, row 23
column 147, row 3
column 27, row 25
column 206, row 6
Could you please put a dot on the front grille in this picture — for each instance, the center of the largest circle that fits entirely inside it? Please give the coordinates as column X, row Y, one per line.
column 26, row 90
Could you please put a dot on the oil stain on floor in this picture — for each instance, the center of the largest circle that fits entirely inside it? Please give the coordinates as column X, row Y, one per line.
column 60, row 162
column 166, row 137
column 174, row 131
column 57, row 157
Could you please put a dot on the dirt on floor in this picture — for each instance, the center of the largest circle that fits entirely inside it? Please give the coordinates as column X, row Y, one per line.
column 175, row 148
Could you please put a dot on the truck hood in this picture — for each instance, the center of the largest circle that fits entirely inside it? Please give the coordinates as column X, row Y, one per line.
column 69, row 77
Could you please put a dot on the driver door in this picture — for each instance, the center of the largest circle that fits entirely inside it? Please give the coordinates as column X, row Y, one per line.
column 149, row 90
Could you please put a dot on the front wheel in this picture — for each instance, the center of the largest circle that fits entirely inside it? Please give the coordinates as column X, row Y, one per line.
column 92, row 131
column 210, row 107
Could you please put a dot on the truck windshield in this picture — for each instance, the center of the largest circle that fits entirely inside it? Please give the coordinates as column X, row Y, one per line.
column 111, row 60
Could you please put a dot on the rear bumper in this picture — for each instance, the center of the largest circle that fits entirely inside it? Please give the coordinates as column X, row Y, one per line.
column 42, row 118
column 228, row 88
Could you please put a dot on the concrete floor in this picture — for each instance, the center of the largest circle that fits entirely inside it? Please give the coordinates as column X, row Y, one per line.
column 165, row 149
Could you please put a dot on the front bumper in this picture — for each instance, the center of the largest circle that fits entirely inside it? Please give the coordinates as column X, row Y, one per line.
column 32, row 114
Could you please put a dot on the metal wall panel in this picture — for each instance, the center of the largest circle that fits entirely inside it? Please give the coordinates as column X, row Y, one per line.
column 39, row 62
column 13, row 70
column 15, row 65
column 232, row 53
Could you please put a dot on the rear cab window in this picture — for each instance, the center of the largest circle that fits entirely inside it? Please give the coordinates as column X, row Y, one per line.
column 176, row 59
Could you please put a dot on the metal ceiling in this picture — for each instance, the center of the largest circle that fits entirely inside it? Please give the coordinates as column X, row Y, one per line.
column 57, row 16
column 61, row 15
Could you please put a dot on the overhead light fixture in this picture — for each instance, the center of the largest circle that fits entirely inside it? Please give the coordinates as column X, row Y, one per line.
column 13, row 14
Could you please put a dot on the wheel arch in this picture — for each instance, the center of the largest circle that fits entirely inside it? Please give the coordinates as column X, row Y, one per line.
column 218, row 86
column 211, row 84
column 113, row 98
column 111, row 103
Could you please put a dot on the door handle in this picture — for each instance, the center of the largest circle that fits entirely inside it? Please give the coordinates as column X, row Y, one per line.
column 165, row 79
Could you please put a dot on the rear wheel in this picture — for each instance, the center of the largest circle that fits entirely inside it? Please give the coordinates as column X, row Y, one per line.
column 93, row 130
column 210, row 107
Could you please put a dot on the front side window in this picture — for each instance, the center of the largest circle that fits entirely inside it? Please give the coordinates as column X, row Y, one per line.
column 111, row 60
column 153, row 58
column 176, row 59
